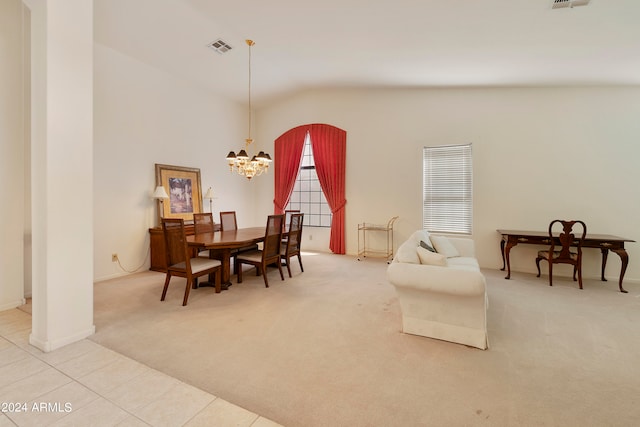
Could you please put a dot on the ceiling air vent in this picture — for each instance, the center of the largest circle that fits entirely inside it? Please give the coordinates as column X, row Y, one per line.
column 220, row 46
column 557, row 4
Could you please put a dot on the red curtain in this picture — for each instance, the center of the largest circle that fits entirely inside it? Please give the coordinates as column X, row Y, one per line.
column 288, row 153
column 329, row 146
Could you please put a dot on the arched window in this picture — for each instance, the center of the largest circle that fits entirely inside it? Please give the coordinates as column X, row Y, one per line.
column 307, row 195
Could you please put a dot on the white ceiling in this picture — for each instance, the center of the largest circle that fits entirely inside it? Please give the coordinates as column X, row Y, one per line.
column 365, row 43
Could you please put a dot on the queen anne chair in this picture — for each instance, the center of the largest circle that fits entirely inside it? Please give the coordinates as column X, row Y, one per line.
column 269, row 254
column 564, row 255
column 291, row 242
column 180, row 261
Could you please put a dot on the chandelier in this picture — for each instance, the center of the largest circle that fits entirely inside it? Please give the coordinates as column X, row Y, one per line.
column 241, row 163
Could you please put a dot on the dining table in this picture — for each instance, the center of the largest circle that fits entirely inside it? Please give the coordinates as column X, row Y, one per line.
column 221, row 243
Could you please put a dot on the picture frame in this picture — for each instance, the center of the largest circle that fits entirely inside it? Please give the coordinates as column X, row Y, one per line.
column 183, row 186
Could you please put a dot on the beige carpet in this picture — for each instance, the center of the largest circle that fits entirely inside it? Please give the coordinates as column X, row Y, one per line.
column 325, row 349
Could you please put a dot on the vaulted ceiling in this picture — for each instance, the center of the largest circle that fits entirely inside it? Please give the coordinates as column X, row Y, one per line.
column 374, row 43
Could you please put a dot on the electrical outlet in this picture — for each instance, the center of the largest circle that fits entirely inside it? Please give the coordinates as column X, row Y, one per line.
column 310, row 237
column 114, row 257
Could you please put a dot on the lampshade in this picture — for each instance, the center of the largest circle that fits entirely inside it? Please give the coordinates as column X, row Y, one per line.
column 160, row 193
column 209, row 194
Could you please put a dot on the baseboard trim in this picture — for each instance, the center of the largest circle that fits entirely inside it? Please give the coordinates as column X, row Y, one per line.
column 50, row 345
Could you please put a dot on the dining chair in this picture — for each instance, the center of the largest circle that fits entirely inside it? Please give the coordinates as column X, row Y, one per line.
column 180, row 261
column 291, row 242
column 564, row 255
column 228, row 222
column 203, row 223
column 287, row 217
column 269, row 254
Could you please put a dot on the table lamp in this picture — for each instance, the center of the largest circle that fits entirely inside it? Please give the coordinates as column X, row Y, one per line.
column 160, row 194
column 209, row 195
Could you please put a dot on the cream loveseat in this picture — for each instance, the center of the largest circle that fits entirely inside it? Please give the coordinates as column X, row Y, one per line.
column 441, row 290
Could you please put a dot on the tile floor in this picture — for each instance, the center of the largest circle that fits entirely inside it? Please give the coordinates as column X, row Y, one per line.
column 85, row 384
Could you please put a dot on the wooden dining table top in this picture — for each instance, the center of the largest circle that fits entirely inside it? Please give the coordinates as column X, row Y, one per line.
column 230, row 239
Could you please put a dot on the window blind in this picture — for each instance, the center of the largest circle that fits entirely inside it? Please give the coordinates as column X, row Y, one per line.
column 447, row 189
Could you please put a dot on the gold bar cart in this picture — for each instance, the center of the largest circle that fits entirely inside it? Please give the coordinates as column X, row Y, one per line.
column 364, row 251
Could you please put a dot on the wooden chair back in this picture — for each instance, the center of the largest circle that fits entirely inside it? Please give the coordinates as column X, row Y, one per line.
column 295, row 235
column 272, row 239
column 287, row 217
column 203, row 223
column 567, row 239
column 560, row 253
column 291, row 244
column 175, row 241
column 228, row 221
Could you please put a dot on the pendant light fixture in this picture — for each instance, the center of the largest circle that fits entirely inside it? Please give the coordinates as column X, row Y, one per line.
column 240, row 163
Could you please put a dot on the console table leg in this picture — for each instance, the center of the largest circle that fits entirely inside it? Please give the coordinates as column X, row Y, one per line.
column 624, row 258
column 605, row 252
column 504, row 265
column 507, row 250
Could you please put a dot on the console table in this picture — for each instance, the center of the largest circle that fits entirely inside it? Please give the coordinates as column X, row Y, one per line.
column 604, row 242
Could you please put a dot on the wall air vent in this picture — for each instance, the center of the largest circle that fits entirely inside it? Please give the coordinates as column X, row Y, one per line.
column 220, row 46
column 557, row 4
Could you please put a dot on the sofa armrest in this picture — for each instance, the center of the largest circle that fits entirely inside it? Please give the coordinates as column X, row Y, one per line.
column 436, row 279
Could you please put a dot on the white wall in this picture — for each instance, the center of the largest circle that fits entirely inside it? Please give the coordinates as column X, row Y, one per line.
column 12, row 154
column 145, row 116
column 526, row 143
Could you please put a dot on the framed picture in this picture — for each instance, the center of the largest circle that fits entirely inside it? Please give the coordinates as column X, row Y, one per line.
column 183, row 187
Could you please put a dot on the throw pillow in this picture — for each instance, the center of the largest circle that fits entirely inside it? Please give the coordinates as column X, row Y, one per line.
column 444, row 246
column 407, row 253
column 427, row 246
column 431, row 258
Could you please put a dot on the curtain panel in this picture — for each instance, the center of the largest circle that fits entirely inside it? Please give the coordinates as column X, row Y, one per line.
column 329, row 145
column 288, row 153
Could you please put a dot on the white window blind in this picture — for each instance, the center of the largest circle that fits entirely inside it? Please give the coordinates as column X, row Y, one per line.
column 447, row 189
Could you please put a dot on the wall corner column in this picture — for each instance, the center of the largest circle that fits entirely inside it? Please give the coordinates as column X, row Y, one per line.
column 62, row 171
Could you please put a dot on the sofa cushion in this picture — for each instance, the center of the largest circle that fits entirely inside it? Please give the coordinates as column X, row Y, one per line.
column 443, row 246
column 431, row 258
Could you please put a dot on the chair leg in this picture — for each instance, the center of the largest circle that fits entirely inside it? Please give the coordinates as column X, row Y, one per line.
column 280, row 268
column 238, row 268
column 166, row 286
column 264, row 274
column 538, row 265
column 300, row 261
column 580, row 275
column 187, row 289
column 550, row 273
column 288, row 263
